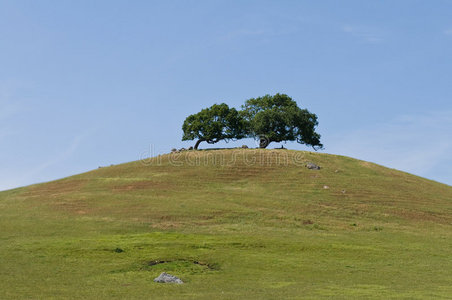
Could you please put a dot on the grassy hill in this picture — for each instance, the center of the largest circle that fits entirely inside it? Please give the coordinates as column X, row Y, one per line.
column 249, row 224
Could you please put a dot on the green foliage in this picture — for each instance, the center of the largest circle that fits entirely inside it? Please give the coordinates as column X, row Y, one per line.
column 270, row 118
column 213, row 124
column 278, row 118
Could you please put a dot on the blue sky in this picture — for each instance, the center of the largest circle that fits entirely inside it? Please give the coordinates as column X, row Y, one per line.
column 92, row 83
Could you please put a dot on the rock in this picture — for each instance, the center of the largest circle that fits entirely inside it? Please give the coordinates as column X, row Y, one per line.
column 244, row 147
column 174, row 150
column 168, row 278
column 312, row 166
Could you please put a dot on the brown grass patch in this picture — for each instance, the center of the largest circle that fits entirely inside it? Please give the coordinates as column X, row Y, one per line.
column 167, row 225
column 142, row 185
column 415, row 215
column 367, row 164
column 57, row 188
column 74, row 206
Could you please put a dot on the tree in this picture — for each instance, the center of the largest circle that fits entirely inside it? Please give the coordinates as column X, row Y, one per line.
column 278, row 118
column 213, row 124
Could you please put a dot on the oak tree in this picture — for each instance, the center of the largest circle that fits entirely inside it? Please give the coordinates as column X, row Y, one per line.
column 278, row 118
column 213, row 124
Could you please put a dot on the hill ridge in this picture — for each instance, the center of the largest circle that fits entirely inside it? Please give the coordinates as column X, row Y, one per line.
column 351, row 228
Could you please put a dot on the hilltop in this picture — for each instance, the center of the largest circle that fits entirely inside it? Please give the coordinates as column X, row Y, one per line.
column 232, row 224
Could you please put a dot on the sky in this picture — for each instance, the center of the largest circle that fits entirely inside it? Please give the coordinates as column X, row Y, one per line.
column 90, row 83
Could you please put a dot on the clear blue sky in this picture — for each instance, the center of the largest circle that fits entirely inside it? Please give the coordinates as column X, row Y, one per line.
column 91, row 83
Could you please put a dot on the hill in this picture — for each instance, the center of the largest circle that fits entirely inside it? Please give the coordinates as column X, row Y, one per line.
column 249, row 224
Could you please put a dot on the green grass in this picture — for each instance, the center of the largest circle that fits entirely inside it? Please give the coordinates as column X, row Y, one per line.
column 232, row 224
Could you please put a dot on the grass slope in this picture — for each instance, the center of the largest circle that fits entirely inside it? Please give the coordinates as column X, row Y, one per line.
column 249, row 224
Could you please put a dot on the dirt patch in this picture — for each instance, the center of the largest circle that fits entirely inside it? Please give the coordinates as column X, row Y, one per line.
column 157, row 262
column 209, row 266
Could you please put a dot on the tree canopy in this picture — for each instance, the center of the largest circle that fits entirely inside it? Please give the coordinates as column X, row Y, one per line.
column 269, row 118
column 213, row 124
column 278, row 118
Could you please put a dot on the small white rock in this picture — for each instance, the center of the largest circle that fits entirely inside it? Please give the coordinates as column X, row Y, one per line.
column 168, row 278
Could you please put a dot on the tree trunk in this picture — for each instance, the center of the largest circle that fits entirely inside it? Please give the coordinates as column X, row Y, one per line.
column 197, row 144
column 263, row 142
